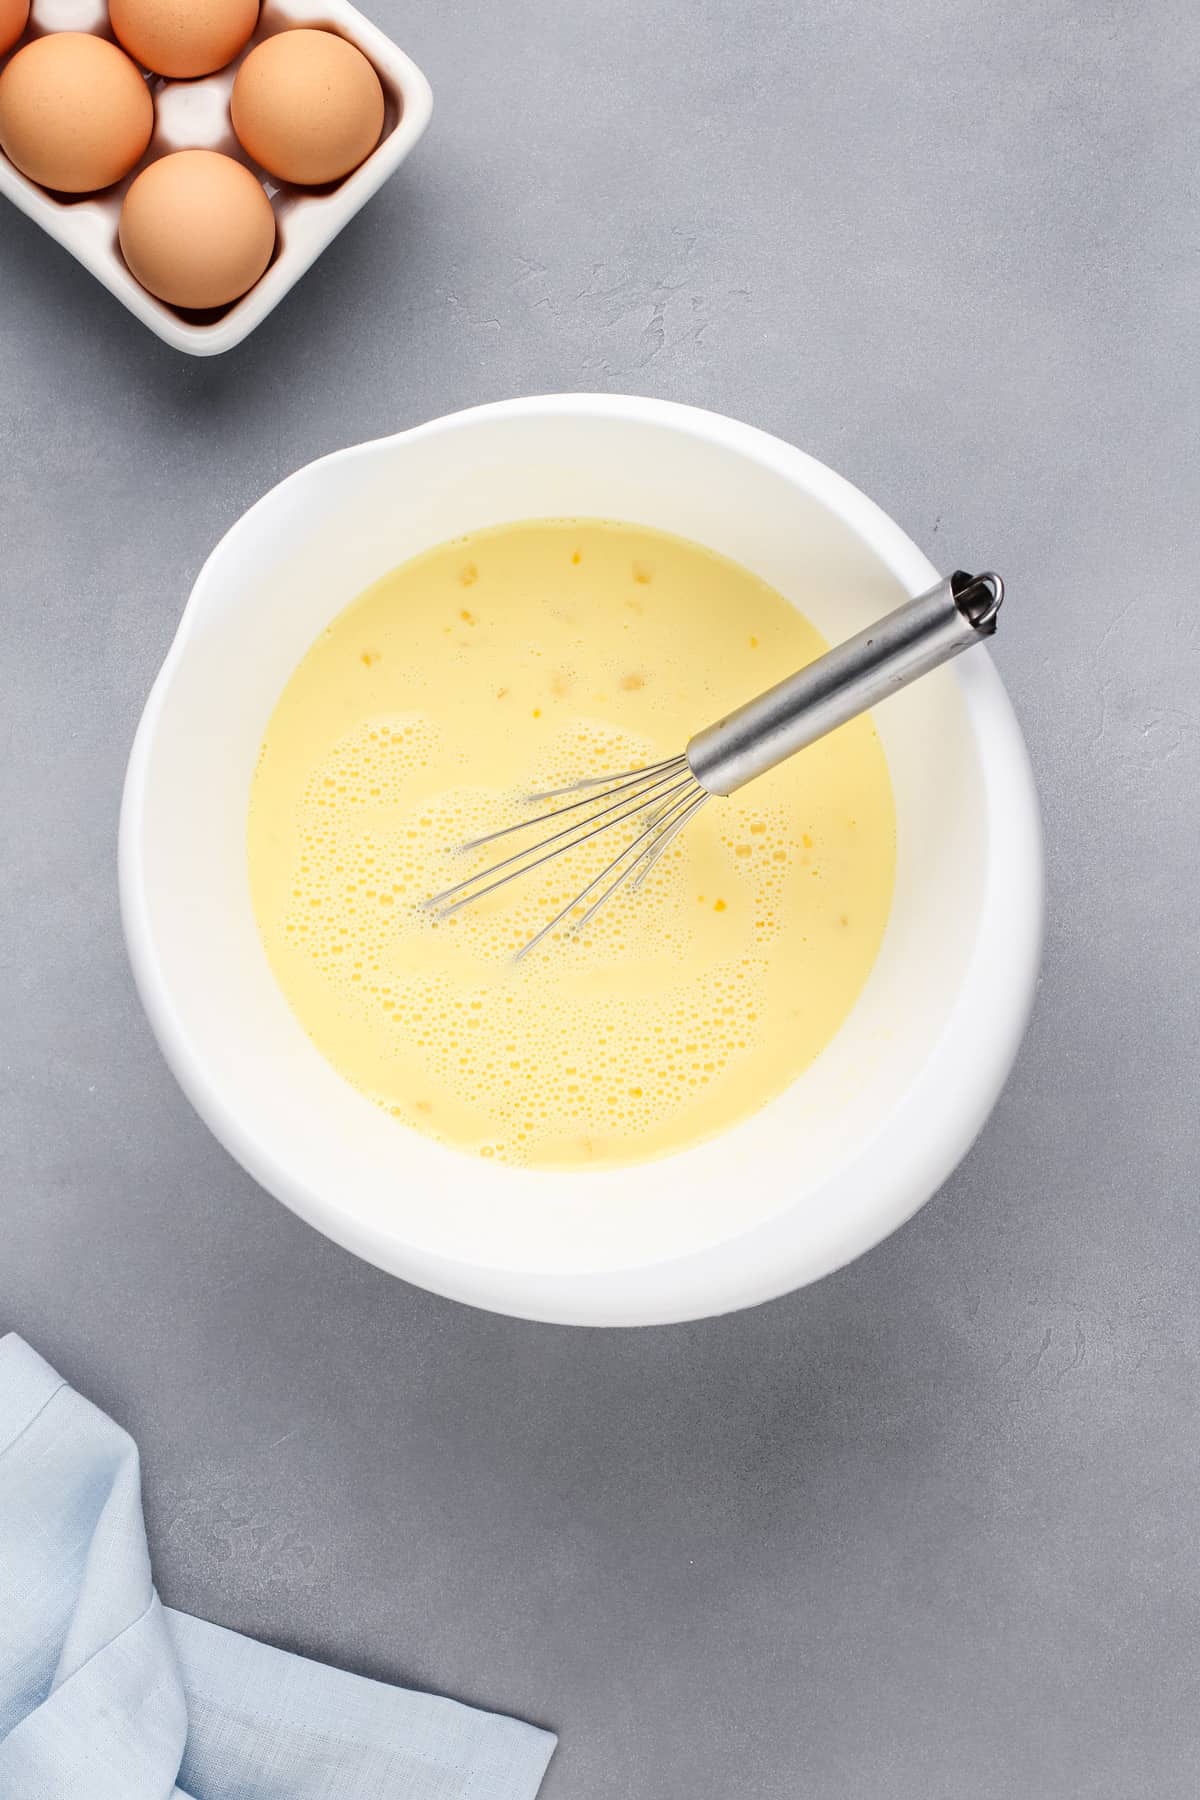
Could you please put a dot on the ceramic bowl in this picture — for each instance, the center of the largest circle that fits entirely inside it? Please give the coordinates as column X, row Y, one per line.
column 851, row 1149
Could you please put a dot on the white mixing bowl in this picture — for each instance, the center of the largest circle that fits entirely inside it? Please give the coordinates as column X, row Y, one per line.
column 861, row 1140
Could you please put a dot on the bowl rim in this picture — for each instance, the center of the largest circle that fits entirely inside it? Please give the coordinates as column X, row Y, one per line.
column 909, row 1154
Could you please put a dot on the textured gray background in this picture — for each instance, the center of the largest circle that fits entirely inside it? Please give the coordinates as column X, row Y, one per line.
column 927, row 1530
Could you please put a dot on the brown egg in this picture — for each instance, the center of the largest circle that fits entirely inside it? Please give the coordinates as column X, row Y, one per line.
column 14, row 16
column 183, row 37
column 75, row 114
column 307, row 106
column 196, row 229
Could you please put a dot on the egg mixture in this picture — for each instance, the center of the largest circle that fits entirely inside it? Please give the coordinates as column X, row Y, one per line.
column 519, row 659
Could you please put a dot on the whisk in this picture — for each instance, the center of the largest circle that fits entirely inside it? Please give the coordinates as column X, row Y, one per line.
column 655, row 803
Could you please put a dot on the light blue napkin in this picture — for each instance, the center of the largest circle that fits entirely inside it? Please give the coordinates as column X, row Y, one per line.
column 105, row 1694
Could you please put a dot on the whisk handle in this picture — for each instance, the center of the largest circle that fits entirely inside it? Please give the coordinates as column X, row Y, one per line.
column 846, row 681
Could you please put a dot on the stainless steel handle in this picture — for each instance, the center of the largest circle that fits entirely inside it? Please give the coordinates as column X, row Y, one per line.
column 958, row 612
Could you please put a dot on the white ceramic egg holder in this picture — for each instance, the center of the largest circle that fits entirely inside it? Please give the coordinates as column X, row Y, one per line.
column 195, row 115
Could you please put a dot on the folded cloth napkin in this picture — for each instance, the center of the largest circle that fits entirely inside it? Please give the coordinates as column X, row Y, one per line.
column 105, row 1694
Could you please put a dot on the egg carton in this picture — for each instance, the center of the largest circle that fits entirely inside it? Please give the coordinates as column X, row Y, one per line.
column 194, row 115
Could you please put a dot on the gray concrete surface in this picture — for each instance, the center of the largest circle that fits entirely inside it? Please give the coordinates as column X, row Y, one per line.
column 928, row 1530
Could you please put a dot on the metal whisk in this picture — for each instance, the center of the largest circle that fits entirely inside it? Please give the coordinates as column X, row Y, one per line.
column 655, row 803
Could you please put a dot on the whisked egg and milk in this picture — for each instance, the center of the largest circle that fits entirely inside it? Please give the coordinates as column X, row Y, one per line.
column 519, row 659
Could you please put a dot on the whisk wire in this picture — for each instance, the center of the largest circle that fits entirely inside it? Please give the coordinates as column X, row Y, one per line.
column 625, row 808
column 656, row 850
column 650, row 830
column 637, row 779
column 589, row 781
column 646, row 859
